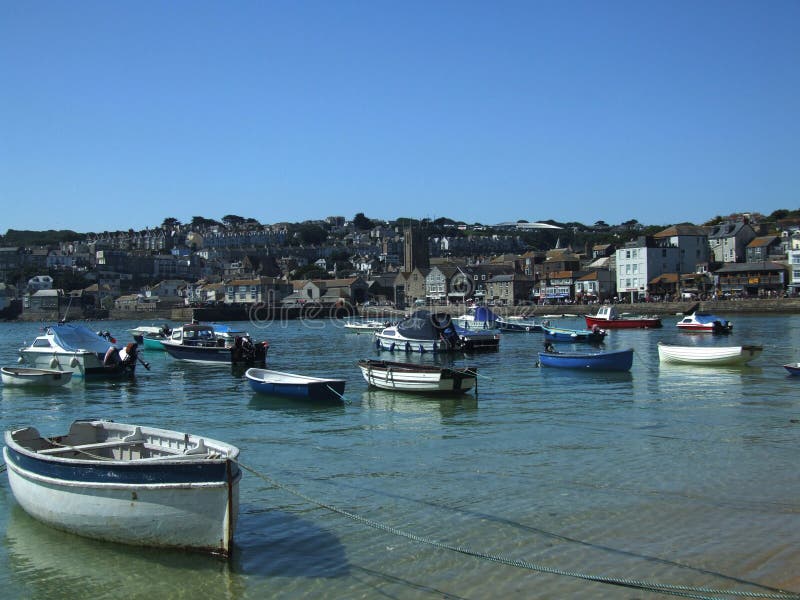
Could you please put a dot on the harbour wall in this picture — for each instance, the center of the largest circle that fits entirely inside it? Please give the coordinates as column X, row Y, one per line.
column 270, row 313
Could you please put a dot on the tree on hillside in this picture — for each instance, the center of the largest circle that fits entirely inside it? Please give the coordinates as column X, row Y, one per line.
column 202, row 222
column 232, row 221
column 308, row 234
column 170, row 223
column 311, row 271
column 361, row 222
column 49, row 237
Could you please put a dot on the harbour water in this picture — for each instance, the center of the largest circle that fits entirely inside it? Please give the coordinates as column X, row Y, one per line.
column 675, row 475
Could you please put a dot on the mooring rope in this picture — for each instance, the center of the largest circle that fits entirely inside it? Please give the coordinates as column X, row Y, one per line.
column 345, row 400
column 684, row 591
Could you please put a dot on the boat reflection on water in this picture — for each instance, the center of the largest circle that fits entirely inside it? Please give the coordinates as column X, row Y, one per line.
column 699, row 384
column 405, row 402
column 54, row 564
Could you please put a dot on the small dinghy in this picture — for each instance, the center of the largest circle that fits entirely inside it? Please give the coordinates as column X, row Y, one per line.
column 617, row 360
column 793, row 368
column 413, row 377
column 35, row 377
column 300, row 387
column 128, row 484
column 561, row 334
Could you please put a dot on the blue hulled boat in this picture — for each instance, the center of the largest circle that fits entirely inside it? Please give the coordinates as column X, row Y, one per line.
column 560, row 334
column 299, row 387
column 617, row 360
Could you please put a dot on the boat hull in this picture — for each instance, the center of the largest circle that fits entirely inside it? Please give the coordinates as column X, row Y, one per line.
column 621, row 360
column 304, row 388
column 80, row 364
column 707, row 355
column 178, row 503
column 573, row 335
column 412, row 378
column 470, row 342
column 152, row 343
column 622, row 323
column 518, row 325
column 35, row 377
column 200, row 354
column 793, row 368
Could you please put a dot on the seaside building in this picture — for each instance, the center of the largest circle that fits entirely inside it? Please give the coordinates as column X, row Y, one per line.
column 794, row 265
column 692, row 243
column 642, row 261
column 751, row 279
column 728, row 241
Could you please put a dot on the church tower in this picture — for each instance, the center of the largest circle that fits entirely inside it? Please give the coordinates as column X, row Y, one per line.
column 415, row 247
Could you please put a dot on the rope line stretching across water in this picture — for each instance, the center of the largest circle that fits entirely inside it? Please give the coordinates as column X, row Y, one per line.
column 664, row 588
column 345, row 400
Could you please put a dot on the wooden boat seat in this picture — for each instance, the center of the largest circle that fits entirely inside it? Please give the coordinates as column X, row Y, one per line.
column 95, row 446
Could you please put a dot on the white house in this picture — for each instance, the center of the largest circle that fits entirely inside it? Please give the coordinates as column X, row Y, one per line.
column 639, row 262
column 794, row 266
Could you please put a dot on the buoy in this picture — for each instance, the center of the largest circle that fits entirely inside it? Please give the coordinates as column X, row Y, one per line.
column 53, row 362
column 20, row 360
column 421, row 349
column 73, row 362
column 391, row 347
column 527, row 329
column 408, row 346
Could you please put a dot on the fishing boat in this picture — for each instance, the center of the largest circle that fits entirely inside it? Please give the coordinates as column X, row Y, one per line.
column 478, row 317
column 607, row 317
column 707, row 355
column 615, row 360
column 424, row 332
column 202, row 343
column 365, row 326
column 516, row 323
column 35, row 377
column 414, row 377
column 561, row 334
column 78, row 349
column 129, row 484
column 150, row 336
column 705, row 322
column 291, row 385
column 793, row 368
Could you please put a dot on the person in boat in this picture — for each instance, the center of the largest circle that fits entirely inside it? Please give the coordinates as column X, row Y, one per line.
column 111, row 360
column 238, row 349
column 549, row 348
column 129, row 354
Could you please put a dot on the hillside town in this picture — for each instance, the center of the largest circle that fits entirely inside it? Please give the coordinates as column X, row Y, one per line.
column 403, row 263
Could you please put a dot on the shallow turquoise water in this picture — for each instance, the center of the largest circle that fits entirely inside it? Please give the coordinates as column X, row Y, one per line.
column 676, row 475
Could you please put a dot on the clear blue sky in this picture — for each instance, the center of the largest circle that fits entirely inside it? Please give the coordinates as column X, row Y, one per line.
column 120, row 114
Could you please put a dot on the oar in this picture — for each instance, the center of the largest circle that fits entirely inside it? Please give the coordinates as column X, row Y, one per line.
column 145, row 364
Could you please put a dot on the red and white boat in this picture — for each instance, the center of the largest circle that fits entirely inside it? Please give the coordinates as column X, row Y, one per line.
column 607, row 317
column 698, row 321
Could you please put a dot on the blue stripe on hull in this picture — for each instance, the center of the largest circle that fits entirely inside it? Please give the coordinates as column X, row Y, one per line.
column 615, row 361
column 312, row 391
column 222, row 355
column 121, row 472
